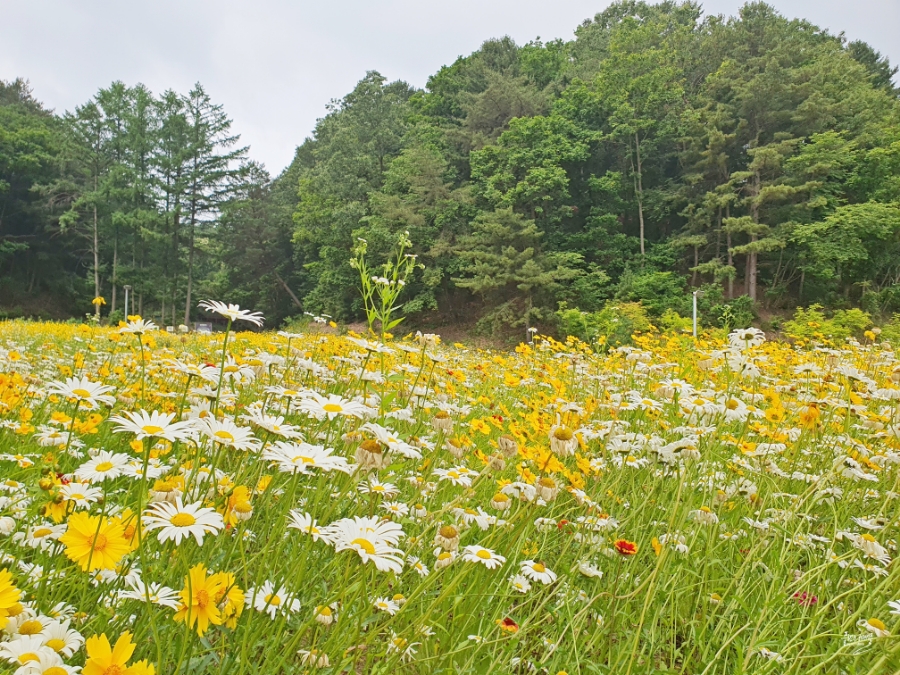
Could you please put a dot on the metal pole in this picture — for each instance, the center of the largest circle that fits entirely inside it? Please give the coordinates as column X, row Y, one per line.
column 127, row 288
column 695, row 314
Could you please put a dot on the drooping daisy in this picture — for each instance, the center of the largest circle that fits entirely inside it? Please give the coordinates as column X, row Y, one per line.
column 537, row 572
column 177, row 521
column 88, row 393
column 875, row 626
column 485, row 556
column 155, row 425
column 306, row 524
column 373, row 539
column 326, row 614
column 315, row 658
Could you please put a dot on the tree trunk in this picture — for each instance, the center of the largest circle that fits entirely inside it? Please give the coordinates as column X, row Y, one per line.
column 751, row 278
column 112, row 305
column 96, row 257
column 752, row 258
column 288, row 289
column 190, row 266
column 730, row 256
column 640, row 189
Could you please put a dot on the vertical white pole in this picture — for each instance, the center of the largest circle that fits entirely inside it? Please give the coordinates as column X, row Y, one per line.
column 127, row 288
column 695, row 314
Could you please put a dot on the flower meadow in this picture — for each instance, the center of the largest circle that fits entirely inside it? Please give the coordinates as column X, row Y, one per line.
column 250, row 502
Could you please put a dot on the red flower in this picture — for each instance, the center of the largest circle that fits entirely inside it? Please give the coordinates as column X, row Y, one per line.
column 508, row 625
column 804, row 599
column 625, row 547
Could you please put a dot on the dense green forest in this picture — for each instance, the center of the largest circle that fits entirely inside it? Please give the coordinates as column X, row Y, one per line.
column 659, row 151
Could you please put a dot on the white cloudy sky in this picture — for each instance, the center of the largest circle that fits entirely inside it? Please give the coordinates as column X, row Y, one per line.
column 274, row 64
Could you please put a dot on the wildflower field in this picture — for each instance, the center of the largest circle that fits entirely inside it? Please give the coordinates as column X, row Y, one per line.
column 271, row 502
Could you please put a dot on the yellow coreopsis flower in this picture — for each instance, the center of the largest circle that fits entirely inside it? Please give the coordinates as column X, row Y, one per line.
column 198, row 599
column 9, row 596
column 104, row 659
column 230, row 599
column 93, row 542
column 99, row 300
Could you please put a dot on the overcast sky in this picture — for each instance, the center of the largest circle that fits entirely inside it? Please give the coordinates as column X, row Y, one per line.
column 274, row 64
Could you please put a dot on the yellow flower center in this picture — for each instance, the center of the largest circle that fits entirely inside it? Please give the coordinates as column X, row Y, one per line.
column 55, row 644
column 151, row 429
column 371, row 445
column 102, row 467
column 332, row 408
column 243, row 507
column 444, row 556
column 547, row 482
column 41, row 532
column 76, row 496
column 56, row 670
column 272, row 599
column 202, row 599
column 28, row 657
column 539, row 568
column 31, row 627
column 182, row 520
column 869, row 538
column 484, row 554
column 324, row 611
column 224, row 435
column 365, row 545
column 100, row 543
column 563, row 434
column 82, row 393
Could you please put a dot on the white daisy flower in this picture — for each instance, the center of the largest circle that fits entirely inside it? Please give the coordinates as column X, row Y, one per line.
column 178, row 521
